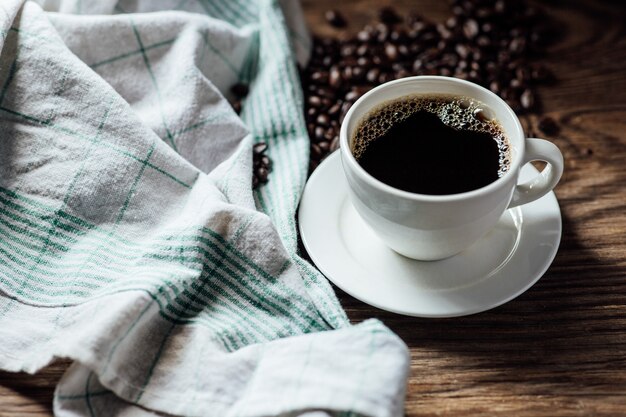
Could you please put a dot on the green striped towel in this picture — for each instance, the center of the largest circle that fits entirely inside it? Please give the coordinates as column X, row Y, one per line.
column 131, row 241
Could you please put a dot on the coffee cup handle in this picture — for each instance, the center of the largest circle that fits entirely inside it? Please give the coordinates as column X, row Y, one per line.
column 546, row 180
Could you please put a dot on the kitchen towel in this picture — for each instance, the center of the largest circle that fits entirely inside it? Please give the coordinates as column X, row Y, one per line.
column 131, row 241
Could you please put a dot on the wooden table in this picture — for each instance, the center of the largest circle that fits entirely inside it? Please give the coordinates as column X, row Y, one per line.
column 560, row 348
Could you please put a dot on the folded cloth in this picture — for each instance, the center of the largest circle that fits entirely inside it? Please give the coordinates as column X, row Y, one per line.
column 131, row 241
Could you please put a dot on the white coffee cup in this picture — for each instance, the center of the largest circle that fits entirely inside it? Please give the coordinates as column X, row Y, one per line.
column 432, row 227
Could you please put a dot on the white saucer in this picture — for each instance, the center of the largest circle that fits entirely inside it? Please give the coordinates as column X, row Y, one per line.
column 499, row 267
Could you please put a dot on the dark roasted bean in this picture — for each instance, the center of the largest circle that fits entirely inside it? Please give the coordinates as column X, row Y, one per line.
column 262, row 173
column 336, row 19
column 334, row 78
column 494, row 86
column 240, row 90
column 372, row 75
column 237, row 106
column 358, row 73
column 549, row 126
column 347, row 73
column 320, row 77
column 325, row 92
column 517, row 46
column 322, row 120
column 265, row 160
column 483, row 41
column 259, row 148
column 462, row 50
column 417, row 65
column 364, row 36
column 389, row 16
column 391, row 51
column 470, row 28
column 527, row 99
column 542, row 74
column 314, row 101
column 347, row 50
column 335, row 109
column 319, row 133
column 316, row 152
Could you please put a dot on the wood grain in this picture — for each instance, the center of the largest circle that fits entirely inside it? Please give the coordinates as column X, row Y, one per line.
column 560, row 348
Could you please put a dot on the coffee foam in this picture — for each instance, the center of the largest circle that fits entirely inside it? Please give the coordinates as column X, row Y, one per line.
column 458, row 112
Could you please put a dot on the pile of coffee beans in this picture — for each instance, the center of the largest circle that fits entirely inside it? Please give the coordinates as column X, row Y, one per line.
column 494, row 43
column 239, row 92
column 261, row 164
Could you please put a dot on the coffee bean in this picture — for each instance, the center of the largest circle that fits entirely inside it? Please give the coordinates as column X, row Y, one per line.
column 236, row 105
column 542, row 74
column 262, row 164
column 483, row 41
column 316, row 152
column 240, row 90
column 319, row 76
column 462, row 50
column 362, row 50
column 352, row 96
column 384, row 77
column 326, row 92
column 358, row 73
column 494, row 86
column 347, row 73
column 330, row 134
column 324, row 146
column 259, row 148
column 470, row 28
column 389, row 16
column 262, row 174
column 549, row 126
column 517, row 45
column 335, row 109
column 336, row 19
column 334, row 78
column 417, row 66
column 391, row 51
column 364, row 36
column 314, row 101
column 319, row 134
column 344, row 109
column 322, row 120
column 334, row 144
column 527, row 99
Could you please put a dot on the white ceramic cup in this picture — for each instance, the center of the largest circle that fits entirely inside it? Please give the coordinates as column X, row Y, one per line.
column 432, row 227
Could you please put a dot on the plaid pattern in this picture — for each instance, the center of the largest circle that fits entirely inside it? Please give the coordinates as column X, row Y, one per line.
column 130, row 238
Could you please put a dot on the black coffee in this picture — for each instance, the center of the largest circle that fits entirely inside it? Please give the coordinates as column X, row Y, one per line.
column 432, row 144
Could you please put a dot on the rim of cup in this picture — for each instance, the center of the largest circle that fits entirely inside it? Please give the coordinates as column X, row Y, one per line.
column 349, row 158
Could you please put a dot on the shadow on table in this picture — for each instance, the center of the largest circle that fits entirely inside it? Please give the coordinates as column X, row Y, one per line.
column 566, row 331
